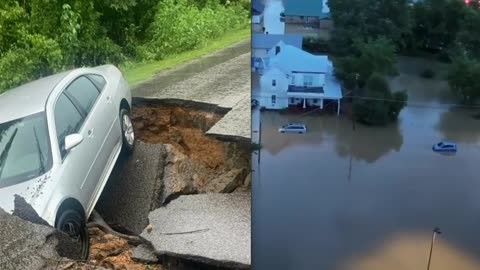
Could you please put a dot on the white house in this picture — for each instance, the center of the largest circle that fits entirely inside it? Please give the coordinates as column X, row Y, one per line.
column 261, row 43
column 293, row 77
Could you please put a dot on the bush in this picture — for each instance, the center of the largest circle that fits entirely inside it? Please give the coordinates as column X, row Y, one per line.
column 427, row 73
column 316, row 45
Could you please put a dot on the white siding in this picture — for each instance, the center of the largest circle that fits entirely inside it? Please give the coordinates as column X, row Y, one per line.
column 259, row 53
column 257, row 18
column 274, row 83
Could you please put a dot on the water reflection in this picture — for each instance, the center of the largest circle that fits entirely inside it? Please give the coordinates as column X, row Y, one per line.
column 459, row 125
column 351, row 140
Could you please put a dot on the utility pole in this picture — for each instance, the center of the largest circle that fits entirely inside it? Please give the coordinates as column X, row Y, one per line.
column 436, row 231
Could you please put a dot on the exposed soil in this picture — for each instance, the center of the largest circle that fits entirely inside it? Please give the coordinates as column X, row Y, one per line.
column 183, row 128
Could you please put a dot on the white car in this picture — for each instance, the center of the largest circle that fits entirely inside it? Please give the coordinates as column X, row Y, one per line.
column 293, row 128
column 60, row 137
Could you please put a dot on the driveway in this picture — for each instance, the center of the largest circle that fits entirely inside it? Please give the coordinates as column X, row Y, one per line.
column 339, row 198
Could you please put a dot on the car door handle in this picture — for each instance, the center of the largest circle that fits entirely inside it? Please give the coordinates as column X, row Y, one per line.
column 90, row 133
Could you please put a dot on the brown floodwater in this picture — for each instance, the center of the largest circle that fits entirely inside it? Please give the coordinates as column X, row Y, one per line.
column 368, row 198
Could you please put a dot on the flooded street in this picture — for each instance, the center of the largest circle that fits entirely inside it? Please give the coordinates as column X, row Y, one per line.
column 369, row 198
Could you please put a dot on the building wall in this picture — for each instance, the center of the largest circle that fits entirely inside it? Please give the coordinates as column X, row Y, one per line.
column 297, row 79
column 279, row 90
column 326, row 24
column 302, row 20
column 257, row 19
column 259, row 53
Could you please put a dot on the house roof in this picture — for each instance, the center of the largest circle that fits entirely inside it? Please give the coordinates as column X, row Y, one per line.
column 258, row 6
column 293, row 59
column 307, row 8
column 262, row 41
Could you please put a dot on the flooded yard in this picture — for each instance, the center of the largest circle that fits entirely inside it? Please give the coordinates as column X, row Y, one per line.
column 369, row 198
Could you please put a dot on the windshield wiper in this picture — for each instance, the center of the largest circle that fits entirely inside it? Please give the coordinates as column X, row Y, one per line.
column 40, row 155
column 4, row 154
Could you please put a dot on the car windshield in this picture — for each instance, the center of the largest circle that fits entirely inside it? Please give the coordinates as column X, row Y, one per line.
column 24, row 149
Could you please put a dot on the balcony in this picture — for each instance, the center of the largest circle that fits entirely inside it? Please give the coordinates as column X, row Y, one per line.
column 306, row 89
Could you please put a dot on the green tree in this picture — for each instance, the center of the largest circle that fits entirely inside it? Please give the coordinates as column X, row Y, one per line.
column 468, row 37
column 373, row 56
column 378, row 106
column 368, row 19
column 436, row 23
column 463, row 78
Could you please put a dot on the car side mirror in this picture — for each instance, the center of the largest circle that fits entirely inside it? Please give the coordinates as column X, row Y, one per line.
column 72, row 140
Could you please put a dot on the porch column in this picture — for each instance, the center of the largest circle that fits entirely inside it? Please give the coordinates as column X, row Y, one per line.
column 338, row 106
column 321, row 103
column 304, row 103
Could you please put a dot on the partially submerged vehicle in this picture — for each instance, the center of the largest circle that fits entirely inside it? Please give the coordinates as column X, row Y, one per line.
column 445, row 147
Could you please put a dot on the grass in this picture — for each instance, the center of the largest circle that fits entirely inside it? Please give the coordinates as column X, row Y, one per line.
column 138, row 72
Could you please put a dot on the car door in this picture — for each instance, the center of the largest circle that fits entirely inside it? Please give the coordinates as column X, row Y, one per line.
column 96, row 105
column 76, row 163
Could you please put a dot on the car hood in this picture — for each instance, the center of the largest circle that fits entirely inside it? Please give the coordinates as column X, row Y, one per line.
column 32, row 191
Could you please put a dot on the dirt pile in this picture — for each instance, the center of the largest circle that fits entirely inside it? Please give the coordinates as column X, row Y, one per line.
column 109, row 252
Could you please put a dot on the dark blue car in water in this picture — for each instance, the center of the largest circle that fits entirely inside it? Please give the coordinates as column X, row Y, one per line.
column 445, row 147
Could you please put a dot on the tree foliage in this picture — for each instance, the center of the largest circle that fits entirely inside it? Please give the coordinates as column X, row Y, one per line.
column 368, row 19
column 373, row 56
column 378, row 105
column 463, row 78
column 39, row 37
column 436, row 23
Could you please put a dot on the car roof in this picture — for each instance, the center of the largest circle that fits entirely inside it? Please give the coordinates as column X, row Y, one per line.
column 29, row 98
column 448, row 143
column 296, row 124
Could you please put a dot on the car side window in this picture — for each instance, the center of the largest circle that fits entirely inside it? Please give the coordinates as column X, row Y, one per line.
column 68, row 120
column 84, row 92
column 98, row 80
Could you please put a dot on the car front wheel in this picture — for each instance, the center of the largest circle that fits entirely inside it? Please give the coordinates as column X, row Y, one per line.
column 128, row 135
column 73, row 224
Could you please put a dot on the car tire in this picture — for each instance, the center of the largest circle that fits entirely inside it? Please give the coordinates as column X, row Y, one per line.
column 73, row 223
column 128, row 134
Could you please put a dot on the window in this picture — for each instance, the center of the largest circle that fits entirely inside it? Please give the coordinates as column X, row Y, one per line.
column 68, row 120
column 24, row 148
column 307, row 80
column 274, row 82
column 84, row 93
column 315, row 100
column 292, row 100
column 98, row 80
column 293, row 80
column 274, row 99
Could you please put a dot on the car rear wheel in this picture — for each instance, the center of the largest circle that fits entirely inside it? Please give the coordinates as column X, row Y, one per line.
column 128, row 135
column 73, row 224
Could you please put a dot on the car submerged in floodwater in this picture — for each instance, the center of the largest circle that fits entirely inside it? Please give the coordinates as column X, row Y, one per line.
column 445, row 147
column 60, row 137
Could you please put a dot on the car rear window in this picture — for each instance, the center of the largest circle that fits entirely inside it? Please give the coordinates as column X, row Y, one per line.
column 98, row 80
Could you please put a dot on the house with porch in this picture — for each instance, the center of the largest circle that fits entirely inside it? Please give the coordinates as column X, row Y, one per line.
column 293, row 77
column 308, row 17
column 261, row 43
column 257, row 16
